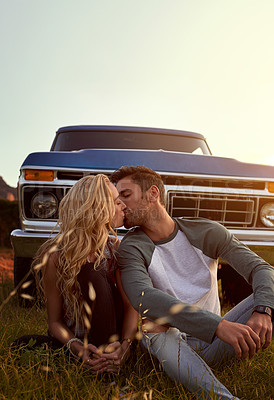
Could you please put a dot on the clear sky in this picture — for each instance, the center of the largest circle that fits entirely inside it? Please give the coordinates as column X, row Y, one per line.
column 200, row 65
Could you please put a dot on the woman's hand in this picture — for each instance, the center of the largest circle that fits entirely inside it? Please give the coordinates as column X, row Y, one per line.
column 111, row 360
column 94, row 359
column 116, row 354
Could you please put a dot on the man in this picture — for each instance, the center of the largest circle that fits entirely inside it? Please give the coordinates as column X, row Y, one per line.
column 169, row 273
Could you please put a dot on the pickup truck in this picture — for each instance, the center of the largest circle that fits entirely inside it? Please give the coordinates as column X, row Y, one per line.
column 238, row 195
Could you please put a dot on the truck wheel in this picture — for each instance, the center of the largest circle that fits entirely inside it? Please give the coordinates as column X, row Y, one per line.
column 21, row 270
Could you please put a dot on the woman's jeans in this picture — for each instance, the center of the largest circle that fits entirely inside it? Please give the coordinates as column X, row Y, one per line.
column 185, row 358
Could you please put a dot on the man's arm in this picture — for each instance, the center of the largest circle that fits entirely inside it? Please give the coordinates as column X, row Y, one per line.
column 253, row 268
column 153, row 303
column 157, row 306
column 197, row 322
column 215, row 241
column 261, row 275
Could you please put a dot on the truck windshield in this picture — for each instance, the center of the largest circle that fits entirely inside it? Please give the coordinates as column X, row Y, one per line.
column 69, row 141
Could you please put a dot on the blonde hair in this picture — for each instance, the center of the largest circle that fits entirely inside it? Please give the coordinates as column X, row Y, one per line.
column 85, row 216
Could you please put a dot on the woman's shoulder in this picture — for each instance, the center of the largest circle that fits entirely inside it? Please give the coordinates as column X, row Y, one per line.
column 49, row 267
column 50, row 260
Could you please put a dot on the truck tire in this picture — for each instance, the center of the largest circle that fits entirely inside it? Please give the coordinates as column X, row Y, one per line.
column 21, row 270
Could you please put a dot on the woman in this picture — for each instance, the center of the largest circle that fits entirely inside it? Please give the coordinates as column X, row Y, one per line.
column 86, row 306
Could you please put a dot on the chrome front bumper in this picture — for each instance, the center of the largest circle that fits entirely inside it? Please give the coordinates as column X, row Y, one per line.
column 26, row 244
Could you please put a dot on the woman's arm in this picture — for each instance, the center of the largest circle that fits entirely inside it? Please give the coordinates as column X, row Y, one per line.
column 56, row 326
column 54, row 302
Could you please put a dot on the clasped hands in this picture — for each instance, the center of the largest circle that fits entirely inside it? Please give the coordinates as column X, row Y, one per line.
column 109, row 360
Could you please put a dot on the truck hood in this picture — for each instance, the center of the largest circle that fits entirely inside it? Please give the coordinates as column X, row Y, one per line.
column 158, row 160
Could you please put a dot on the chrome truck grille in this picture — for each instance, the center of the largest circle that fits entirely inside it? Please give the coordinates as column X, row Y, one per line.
column 229, row 210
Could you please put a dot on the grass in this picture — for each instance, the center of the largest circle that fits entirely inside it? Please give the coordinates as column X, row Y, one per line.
column 41, row 374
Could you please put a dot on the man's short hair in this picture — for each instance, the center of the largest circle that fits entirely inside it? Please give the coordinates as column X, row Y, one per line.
column 142, row 176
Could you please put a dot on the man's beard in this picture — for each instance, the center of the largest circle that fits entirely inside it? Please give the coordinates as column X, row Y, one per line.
column 135, row 218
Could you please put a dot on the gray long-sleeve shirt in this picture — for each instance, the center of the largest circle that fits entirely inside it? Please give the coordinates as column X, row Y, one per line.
column 157, row 275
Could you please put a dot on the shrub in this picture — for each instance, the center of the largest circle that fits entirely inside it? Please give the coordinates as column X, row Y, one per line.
column 9, row 220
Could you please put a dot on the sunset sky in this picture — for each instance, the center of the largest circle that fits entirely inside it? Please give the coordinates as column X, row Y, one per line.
column 200, row 65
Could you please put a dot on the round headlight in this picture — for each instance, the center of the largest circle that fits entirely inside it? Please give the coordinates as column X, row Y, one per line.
column 44, row 204
column 267, row 214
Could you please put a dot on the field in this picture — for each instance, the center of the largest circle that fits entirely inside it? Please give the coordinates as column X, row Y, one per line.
column 39, row 374
column 6, row 264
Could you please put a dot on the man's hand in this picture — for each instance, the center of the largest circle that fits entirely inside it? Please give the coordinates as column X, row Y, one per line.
column 262, row 325
column 242, row 338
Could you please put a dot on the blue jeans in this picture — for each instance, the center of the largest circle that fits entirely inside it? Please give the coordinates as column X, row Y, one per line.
column 185, row 358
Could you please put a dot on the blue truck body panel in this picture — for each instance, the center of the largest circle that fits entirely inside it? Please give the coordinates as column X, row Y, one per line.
column 159, row 160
